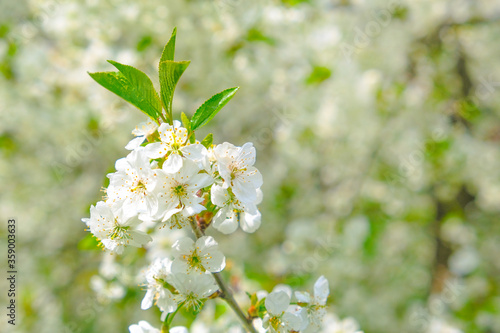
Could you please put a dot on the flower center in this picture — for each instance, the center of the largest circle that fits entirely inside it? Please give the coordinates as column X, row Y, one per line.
column 275, row 322
column 140, row 187
column 192, row 301
column 195, row 261
column 119, row 232
column 180, row 190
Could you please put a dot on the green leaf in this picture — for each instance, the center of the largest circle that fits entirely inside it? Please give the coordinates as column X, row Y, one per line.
column 318, row 75
column 255, row 35
column 133, row 86
column 207, row 142
column 210, row 108
column 88, row 243
column 170, row 73
column 169, row 49
column 185, row 121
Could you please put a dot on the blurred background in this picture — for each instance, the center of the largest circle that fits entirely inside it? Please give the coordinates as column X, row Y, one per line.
column 377, row 131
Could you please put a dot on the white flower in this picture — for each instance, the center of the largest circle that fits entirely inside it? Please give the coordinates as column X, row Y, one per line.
column 142, row 132
column 178, row 220
column 178, row 191
column 193, row 288
column 156, row 276
column 143, row 327
column 132, row 184
column 315, row 305
column 333, row 324
column 281, row 317
column 114, row 228
column 174, row 144
column 234, row 212
column 107, row 290
column 235, row 165
column 201, row 256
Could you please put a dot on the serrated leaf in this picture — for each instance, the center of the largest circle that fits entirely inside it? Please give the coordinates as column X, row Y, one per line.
column 133, row 86
column 207, row 142
column 210, row 108
column 185, row 121
column 169, row 49
column 170, row 73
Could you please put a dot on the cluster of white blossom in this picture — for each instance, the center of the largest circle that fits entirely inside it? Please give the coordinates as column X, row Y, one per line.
column 171, row 180
column 305, row 314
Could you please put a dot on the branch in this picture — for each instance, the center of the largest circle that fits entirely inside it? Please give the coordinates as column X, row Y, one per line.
column 227, row 295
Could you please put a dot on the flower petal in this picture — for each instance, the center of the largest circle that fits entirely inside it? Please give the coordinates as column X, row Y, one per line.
column 321, row 290
column 183, row 246
column 195, row 152
column 303, row 297
column 219, row 195
column 172, row 164
column 147, row 301
column 277, row 302
column 250, row 223
column 223, row 223
column 135, row 143
column 214, row 261
column 156, row 150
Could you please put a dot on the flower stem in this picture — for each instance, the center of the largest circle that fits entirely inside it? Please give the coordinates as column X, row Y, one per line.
column 227, row 295
column 165, row 327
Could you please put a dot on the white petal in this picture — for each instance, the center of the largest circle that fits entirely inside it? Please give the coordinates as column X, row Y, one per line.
column 194, row 208
column 205, row 243
column 166, row 301
column 214, row 261
column 170, row 213
column 303, row 297
column 250, row 223
column 122, row 164
column 172, row 164
column 195, row 152
column 254, row 177
column 179, row 329
column 139, row 238
column 219, row 195
column 292, row 321
column 247, row 154
column 183, row 246
column 245, row 192
column 181, row 135
column 200, row 180
column 155, row 150
column 189, row 169
column 260, row 196
column 135, row 143
column 147, row 301
column 166, row 132
column 321, row 290
column 277, row 302
column 223, row 223
column 180, row 266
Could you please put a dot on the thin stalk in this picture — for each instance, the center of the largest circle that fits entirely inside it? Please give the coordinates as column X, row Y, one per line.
column 227, row 295
column 165, row 327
